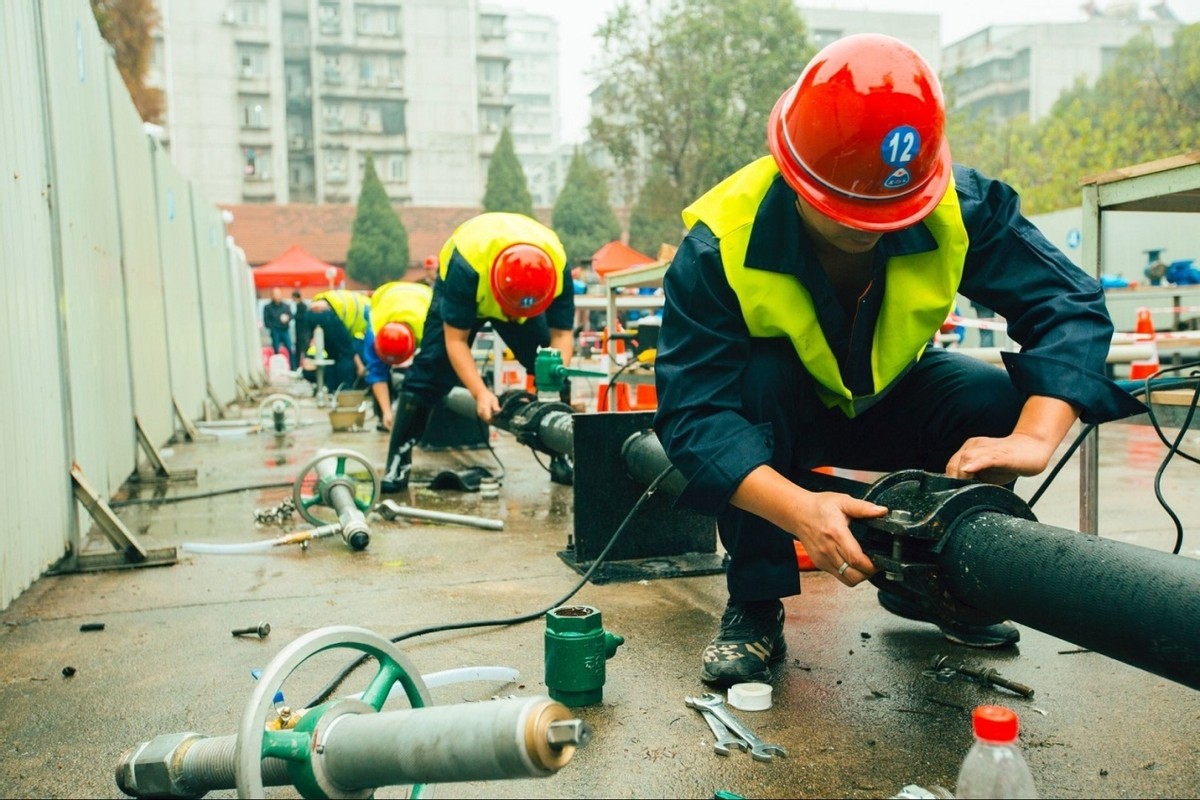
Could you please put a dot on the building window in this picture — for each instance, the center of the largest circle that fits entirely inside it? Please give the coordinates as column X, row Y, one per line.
column 331, row 69
column 366, row 71
column 395, row 168
column 491, row 26
column 377, row 21
column 254, row 113
column 331, row 113
column 256, row 163
column 335, row 166
column 371, row 118
column 329, row 18
column 252, row 61
column 251, row 13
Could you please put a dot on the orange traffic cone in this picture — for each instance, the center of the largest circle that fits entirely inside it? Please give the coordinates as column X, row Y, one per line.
column 1144, row 328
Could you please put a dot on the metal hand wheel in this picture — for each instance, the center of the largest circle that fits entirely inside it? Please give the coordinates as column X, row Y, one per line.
column 326, row 481
column 289, row 409
column 300, row 746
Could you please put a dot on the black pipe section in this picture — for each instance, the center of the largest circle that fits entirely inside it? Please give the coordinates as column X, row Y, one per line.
column 1131, row 603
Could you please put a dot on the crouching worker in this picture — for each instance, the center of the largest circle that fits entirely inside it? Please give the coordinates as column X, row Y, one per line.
column 397, row 321
column 507, row 269
column 342, row 348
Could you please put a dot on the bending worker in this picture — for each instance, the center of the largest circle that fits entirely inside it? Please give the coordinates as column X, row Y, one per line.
column 393, row 334
column 502, row 268
column 798, row 311
column 340, row 348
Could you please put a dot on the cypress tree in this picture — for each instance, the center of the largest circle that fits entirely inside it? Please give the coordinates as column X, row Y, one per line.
column 507, row 189
column 582, row 217
column 378, row 240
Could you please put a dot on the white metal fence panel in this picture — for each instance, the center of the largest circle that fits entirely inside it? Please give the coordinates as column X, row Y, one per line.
column 177, row 247
column 236, row 266
column 147, row 323
column 34, row 470
column 212, row 273
column 93, row 297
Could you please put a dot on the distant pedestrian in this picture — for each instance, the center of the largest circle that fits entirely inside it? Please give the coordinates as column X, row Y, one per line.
column 303, row 329
column 277, row 317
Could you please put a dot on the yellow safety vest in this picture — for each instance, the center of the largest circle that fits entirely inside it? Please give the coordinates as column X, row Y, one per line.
column 919, row 294
column 401, row 301
column 350, row 307
column 480, row 239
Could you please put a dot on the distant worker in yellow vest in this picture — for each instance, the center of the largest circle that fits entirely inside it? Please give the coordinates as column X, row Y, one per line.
column 397, row 322
column 798, row 312
column 507, row 269
column 342, row 317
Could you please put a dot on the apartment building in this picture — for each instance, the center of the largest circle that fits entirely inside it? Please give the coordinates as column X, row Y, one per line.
column 280, row 101
column 1004, row 71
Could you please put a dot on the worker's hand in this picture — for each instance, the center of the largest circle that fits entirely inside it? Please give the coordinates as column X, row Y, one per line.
column 824, row 530
column 1001, row 460
column 486, row 405
column 385, row 419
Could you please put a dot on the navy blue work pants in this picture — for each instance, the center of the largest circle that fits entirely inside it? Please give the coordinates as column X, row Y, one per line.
column 431, row 377
column 945, row 399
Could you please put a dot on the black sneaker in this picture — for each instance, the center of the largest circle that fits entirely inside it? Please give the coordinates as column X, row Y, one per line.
column 1002, row 634
column 749, row 640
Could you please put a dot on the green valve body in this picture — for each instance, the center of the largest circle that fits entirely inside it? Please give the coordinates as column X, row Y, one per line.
column 548, row 371
column 577, row 647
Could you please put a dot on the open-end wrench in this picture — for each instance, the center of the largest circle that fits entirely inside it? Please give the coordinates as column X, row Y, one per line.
column 759, row 750
column 725, row 739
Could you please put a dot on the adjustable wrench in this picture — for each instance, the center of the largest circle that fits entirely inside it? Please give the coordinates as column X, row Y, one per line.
column 725, row 739
column 759, row 750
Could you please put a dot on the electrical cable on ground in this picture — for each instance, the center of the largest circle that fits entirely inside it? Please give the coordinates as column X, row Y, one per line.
column 137, row 501
column 332, row 686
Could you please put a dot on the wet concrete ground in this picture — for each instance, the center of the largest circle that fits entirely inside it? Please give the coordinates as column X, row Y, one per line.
column 852, row 706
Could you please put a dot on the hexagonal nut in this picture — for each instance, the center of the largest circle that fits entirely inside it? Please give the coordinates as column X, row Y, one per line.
column 151, row 769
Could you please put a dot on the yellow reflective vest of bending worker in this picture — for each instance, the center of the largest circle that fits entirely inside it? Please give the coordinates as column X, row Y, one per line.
column 918, row 296
column 350, row 307
column 401, row 301
column 480, row 239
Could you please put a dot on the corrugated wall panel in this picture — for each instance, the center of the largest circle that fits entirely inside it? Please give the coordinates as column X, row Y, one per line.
column 143, row 274
column 252, row 321
column 233, row 268
column 93, row 297
column 34, row 468
column 177, row 245
column 216, row 305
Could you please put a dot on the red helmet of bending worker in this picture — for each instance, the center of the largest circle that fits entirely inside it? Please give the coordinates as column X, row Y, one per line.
column 860, row 136
column 395, row 343
column 523, row 280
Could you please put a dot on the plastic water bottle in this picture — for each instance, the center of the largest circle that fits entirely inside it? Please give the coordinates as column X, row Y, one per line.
column 994, row 766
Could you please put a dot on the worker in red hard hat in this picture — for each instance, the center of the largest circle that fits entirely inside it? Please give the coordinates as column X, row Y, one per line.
column 500, row 268
column 798, row 312
column 396, row 322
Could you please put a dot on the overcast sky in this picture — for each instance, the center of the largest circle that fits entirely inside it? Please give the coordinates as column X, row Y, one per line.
column 579, row 19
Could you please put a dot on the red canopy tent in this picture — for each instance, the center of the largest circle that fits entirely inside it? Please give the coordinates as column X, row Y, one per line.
column 617, row 256
column 294, row 267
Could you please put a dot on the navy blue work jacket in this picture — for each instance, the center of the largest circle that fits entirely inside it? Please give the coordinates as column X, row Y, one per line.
column 1054, row 310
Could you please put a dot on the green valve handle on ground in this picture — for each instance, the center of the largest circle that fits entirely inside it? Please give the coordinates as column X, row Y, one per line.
column 549, row 372
column 577, row 649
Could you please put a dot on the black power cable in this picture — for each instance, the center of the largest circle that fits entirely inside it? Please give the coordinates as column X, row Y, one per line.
column 1155, row 382
column 138, row 501
column 337, row 680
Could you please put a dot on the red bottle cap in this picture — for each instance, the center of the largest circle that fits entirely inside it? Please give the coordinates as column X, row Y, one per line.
column 995, row 723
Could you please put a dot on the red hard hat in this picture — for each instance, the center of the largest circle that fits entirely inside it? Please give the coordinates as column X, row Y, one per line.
column 860, row 136
column 431, row 262
column 523, row 280
column 395, row 343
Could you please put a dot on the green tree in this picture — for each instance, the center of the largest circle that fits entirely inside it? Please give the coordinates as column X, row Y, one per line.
column 689, row 84
column 1146, row 107
column 378, row 240
column 582, row 217
column 506, row 186
column 127, row 26
column 655, row 219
